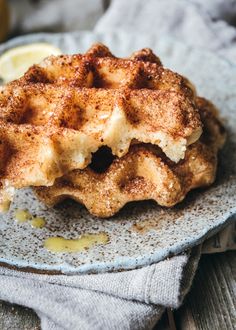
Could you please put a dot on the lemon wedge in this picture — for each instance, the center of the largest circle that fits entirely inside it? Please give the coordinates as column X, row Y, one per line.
column 15, row 62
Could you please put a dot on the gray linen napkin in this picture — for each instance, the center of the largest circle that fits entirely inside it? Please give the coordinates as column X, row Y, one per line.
column 54, row 15
column 199, row 23
column 124, row 300
column 131, row 299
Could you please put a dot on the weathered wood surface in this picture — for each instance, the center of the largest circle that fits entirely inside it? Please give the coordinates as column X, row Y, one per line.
column 211, row 304
column 167, row 321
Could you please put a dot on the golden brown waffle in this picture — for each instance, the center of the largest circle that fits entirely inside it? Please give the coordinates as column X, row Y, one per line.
column 143, row 173
column 66, row 108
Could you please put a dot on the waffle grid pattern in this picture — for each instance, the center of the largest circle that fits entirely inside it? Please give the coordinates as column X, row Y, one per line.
column 54, row 118
column 144, row 173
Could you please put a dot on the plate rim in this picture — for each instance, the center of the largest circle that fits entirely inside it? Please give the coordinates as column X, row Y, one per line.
column 121, row 263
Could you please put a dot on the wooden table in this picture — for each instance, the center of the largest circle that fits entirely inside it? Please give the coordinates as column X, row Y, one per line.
column 211, row 304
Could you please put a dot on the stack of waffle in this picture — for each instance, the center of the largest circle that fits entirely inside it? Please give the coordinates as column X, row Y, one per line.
column 105, row 131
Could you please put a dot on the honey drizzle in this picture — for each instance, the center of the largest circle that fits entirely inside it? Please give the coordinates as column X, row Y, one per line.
column 37, row 222
column 22, row 216
column 84, row 242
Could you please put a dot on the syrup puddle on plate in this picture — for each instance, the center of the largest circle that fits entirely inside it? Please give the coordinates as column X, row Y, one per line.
column 22, row 216
column 61, row 244
column 4, row 207
column 38, row 222
column 84, row 242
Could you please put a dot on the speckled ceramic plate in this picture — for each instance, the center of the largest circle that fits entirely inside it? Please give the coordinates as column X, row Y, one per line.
column 142, row 233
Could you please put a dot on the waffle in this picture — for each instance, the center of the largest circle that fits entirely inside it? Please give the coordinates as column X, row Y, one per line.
column 143, row 173
column 64, row 110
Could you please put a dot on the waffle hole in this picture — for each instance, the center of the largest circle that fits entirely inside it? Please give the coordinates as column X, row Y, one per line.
column 101, row 160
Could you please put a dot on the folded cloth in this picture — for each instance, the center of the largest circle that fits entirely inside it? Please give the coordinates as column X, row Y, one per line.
column 199, row 23
column 54, row 15
column 132, row 299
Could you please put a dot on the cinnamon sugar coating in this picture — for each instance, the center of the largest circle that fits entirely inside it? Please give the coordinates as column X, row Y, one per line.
column 144, row 173
column 65, row 109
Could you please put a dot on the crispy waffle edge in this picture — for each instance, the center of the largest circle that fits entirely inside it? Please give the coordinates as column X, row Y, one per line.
column 54, row 118
column 144, row 173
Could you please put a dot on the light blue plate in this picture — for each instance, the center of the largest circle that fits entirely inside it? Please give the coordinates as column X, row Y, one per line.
column 166, row 231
